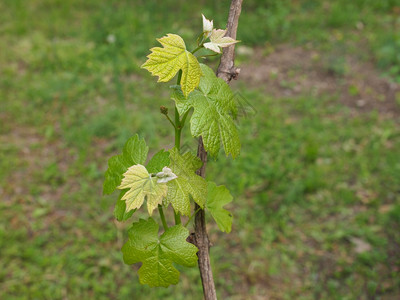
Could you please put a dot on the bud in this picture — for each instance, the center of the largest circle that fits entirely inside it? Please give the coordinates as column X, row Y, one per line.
column 163, row 110
column 207, row 26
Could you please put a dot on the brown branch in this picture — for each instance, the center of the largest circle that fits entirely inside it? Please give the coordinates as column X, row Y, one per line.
column 201, row 237
column 226, row 71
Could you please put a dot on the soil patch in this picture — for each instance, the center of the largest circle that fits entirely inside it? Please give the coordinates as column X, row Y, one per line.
column 291, row 72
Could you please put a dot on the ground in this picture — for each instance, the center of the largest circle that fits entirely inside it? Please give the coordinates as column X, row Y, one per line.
column 316, row 188
column 293, row 71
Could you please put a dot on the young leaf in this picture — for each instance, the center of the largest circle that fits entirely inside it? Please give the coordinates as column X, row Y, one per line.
column 158, row 161
column 165, row 175
column 120, row 212
column 207, row 26
column 214, row 107
column 167, row 61
column 157, row 254
column 187, row 184
column 218, row 39
column 141, row 185
column 134, row 152
column 217, row 197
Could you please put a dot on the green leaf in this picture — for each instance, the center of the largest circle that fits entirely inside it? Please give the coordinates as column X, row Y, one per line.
column 187, row 184
column 157, row 254
column 120, row 212
column 141, row 185
column 167, row 61
column 158, row 161
column 217, row 197
column 134, row 152
column 181, row 103
column 214, row 107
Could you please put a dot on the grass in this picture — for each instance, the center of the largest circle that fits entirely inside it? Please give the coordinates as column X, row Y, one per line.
column 316, row 188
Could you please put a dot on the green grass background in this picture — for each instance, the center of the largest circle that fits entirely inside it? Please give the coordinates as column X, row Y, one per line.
column 313, row 179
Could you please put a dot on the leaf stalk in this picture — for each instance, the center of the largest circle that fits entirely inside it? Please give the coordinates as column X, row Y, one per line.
column 192, row 216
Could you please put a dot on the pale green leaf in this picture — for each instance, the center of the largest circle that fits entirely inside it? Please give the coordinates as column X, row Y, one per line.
column 217, row 197
column 188, row 184
column 141, row 185
column 218, row 40
column 214, row 109
column 158, row 161
column 157, row 254
column 167, row 61
column 134, row 152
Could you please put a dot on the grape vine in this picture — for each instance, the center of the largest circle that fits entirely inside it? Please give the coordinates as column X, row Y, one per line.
column 169, row 177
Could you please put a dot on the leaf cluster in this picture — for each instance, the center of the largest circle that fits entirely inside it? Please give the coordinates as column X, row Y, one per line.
column 169, row 178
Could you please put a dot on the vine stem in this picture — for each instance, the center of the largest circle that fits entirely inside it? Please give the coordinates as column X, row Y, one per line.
column 178, row 132
column 164, row 222
column 226, row 71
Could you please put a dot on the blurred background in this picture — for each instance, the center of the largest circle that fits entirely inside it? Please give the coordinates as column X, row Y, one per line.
column 316, row 188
